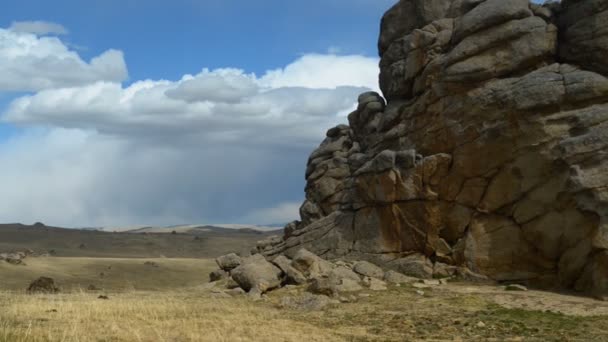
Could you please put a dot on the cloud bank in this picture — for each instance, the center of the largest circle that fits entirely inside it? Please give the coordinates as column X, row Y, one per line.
column 220, row 145
column 29, row 62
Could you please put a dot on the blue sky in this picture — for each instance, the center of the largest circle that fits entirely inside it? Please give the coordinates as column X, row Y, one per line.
column 168, row 112
column 165, row 39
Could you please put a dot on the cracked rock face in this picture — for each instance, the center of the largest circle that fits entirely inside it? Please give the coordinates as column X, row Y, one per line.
column 490, row 151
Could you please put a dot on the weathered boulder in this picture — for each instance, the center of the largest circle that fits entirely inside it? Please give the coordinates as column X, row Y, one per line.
column 228, row 262
column 217, row 275
column 306, row 302
column 310, row 264
column 368, row 269
column 43, row 285
column 333, row 285
column 257, row 275
column 488, row 158
column 398, row 278
column 292, row 275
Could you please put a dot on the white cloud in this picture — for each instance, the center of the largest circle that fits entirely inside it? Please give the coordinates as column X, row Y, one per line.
column 38, row 27
column 32, row 63
column 223, row 85
column 225, row 105
column 321, row 71
column 211, row 147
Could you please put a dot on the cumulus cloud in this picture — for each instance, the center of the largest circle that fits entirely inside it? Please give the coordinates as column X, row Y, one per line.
column 38, row 27
column 29, row 62
column 225, row 105
column 221, row 145
column 318, row 71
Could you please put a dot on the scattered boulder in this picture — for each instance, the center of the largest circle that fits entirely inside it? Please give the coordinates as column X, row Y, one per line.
column 43, row 285
column 151, row 264
column 441, row 270
column 228, row 262
column 104, row 297
column 310, row 264
column 398, row 278
column 257, row 274
column 323, row 285
column 292, row 275
column 306, row 302
column 341, row 272
column 415, row 265
column 374, row 284
column 368, row 269
column 217, row 275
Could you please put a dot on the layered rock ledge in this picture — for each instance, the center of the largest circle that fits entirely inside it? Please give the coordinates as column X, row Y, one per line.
column 489, row 152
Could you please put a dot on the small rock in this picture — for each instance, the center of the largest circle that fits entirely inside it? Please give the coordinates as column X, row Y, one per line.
column 217, row 275
column 306, row 302
column 398, row 278
column 92, row 288
column 323, row 286
column 348, row 285
column 364, row 295
column 420, row 292
column 103, row 297
column 377, row 284
column 515, row 287
column 481, row 324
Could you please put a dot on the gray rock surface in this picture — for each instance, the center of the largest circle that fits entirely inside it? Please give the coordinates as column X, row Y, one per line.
column 256, row 275
column 368, row 269
column 488, row 158
column 228, row 262
column 292, row 275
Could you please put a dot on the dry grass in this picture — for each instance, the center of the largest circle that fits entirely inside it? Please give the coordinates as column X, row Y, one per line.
column 110, row 274
column 176, row 305
column 194, row 314
column 141, row 316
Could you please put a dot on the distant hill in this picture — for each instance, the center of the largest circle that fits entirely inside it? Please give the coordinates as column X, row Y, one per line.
column 193, row 229
column 188, row 241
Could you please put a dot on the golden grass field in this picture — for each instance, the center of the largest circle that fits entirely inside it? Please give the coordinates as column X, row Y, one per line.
column 177, row 305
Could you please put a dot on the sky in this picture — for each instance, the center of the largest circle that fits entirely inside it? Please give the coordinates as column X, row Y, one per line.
column 151, row 112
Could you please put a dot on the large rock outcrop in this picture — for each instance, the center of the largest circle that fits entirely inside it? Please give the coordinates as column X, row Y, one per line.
column 490, row 151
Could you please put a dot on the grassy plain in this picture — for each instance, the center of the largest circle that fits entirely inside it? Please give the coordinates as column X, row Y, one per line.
column 172, row 302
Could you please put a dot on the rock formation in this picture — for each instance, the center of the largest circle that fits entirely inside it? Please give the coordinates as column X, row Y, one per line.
column 489, row 152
